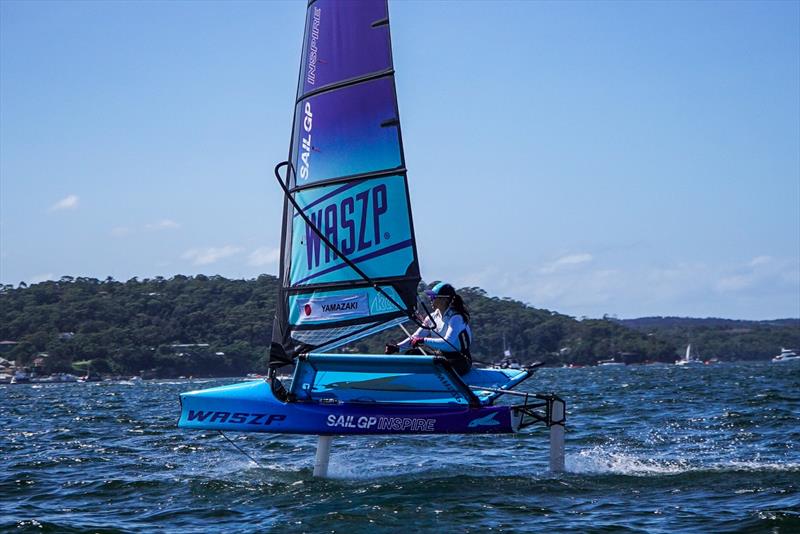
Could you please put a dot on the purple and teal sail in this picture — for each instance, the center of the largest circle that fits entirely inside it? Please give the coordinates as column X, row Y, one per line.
column 347, row 175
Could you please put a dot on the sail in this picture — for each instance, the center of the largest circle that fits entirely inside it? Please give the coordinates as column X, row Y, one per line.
column 347, row 176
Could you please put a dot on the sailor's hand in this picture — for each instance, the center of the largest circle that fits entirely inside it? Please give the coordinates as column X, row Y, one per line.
column 391, row 348
column 416, row 341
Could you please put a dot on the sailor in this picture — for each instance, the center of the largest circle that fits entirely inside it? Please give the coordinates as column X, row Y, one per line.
column 446, row 331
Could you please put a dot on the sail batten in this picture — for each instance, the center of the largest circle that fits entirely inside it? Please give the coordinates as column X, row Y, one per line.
column 345, row 83
column 349, row 261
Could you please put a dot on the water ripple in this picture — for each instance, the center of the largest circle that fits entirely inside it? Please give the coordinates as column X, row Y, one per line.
column 649, row 449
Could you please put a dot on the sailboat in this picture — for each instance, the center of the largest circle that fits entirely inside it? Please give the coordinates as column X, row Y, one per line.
column 508, row 361
column 349, row 269
column 689, row 358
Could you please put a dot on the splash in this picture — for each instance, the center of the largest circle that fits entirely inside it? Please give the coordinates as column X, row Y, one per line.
column 610, row 460
column 613, row 460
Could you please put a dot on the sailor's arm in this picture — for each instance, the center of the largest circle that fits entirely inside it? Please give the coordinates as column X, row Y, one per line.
column 425, row 330
column 450, row 343
column 419, row 332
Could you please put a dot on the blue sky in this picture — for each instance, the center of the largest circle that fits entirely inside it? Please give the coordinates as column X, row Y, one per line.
column 625, row 158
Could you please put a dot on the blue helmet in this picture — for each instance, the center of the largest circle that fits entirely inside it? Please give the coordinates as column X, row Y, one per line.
column 442, row 289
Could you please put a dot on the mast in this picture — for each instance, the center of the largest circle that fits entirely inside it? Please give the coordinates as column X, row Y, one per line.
column 349, row 264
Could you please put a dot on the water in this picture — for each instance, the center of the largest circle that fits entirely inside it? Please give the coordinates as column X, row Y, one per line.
column 649, row 449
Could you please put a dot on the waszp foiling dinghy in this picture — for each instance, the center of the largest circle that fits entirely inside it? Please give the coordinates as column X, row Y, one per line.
column 349, row 266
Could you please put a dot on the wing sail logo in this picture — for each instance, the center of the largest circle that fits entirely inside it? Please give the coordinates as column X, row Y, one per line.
column 352, row 224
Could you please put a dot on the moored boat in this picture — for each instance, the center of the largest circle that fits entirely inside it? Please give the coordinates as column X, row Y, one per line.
column 611, row 362
column 786, row 355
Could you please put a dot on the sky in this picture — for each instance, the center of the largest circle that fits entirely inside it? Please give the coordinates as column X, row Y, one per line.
column 592, row 158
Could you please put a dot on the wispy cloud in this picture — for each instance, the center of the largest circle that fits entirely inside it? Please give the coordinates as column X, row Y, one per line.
column 760, row 260
column 69, row 202
column 120, row 231
column 554, row 288
column 264, row 256
column 762, row 272
column 566, row 261
column 206, row 256
column 163, row 224
column 628, row 288
column 736, row 282
column 41, row 278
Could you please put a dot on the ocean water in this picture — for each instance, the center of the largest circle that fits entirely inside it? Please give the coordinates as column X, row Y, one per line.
column 649, row 449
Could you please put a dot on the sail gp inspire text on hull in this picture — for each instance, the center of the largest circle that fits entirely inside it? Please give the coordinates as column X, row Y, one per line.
column 400, row 424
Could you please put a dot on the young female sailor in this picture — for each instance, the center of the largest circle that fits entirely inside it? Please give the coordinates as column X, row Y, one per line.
column 449, row 334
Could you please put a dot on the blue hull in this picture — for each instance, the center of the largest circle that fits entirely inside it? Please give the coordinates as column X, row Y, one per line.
column 252, row 407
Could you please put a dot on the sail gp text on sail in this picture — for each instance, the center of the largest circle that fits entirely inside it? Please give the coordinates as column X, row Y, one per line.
column 305, row 142
column 352, row 224
column 311, row 77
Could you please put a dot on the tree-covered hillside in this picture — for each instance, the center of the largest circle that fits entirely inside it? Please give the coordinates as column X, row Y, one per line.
column 735, row 339
column 128, row 327
column 205, row 326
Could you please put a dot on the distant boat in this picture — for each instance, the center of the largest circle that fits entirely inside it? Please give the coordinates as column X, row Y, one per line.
column 610, row 362
column 688, row 358
column 89, row 377
column 508, row 361
column 786, row 355
column 56, row 377
column 20, row 377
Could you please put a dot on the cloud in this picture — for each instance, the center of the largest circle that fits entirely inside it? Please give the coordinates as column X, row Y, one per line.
column 264, row 256
column 734, row 283
column 206, row 256
column 760, row 260
column 566, row 261
column 163, row 224
column 121, row 231
column 552, row 288
column 41, row 278
column 762, row 286
column 69, row 202
column 762, row 273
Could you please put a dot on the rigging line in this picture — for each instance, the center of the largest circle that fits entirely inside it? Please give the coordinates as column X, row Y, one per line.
column 240, row 449
column 403, row 327
column 433, row 329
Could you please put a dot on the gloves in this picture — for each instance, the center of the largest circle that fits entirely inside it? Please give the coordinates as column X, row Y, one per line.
column 391, row 349
column 417, row 341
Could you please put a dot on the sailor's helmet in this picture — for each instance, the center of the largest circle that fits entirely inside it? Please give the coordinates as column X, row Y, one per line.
column 442, row 289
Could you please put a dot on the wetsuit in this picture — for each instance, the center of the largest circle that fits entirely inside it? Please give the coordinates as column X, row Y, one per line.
column 457, row 338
